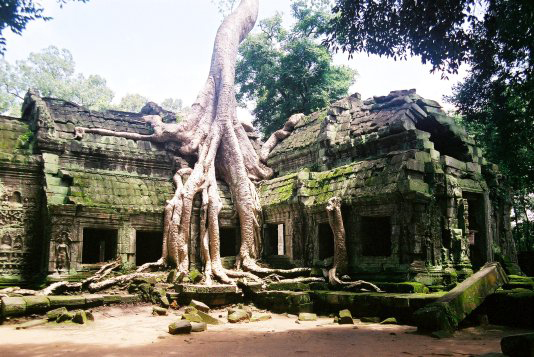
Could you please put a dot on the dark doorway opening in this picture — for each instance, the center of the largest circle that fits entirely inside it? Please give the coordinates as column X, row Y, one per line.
column 326, row 241
column 99, row 245
column 376, row 236
column 148, row 246
column 476, row 228
column 228, row 237
column 274, row 239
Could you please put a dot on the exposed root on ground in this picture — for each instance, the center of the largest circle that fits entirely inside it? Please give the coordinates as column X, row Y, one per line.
column 65, row 286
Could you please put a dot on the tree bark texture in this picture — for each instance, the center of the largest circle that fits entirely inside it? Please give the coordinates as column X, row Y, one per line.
column 217, row 142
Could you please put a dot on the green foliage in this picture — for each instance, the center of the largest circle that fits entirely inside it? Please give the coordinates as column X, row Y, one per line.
column 15, row 15
column 287, row 71
column 131, row 103
column 52, row 73
column 172, row 104
column 494, row 37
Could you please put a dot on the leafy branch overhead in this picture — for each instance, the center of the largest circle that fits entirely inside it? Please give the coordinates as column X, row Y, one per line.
column 16, row 14
column 288, row 71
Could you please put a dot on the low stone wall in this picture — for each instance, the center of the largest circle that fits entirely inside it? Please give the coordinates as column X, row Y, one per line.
column 25, row 305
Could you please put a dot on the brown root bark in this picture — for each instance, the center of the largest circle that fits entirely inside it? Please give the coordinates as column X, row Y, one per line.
column 335, row 219
column 213, row 136
column 64, row 286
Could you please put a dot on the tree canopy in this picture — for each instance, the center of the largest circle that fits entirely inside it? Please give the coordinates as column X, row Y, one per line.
column 288, row 71
column 16, row 14
column 495, row 38
column 52, row 72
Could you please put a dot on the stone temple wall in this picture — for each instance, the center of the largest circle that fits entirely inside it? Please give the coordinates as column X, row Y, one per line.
column 20, row 202
column 419, row 201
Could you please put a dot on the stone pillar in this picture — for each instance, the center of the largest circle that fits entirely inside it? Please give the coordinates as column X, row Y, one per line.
column 126, row 243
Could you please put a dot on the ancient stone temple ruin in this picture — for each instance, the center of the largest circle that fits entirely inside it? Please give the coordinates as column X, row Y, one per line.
column 419, row 201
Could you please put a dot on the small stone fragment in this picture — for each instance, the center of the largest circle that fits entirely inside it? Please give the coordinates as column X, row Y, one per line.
column 307, row 316
column 159, row 311
column 67, row 316
column 200, row 306
column 198, row 326
column 260, row 317
column 190, row 310
column 345, row 317
column 52, row 315
column 209, row 319
column 180, row 327
column 238, row 316
column 79, row 317
column 90, row 316
column 518, row 345
column 171, row 277
column 389, row 321
column 192, row 317
column 31, row 323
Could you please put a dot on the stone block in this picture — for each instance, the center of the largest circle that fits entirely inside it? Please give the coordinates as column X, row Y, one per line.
column 112, row 299
column 518, row 345
column 238, row 316
column 80, row 317
column 92, row 300
column 447, row 312
column 13, row 306
column 198, row 326
column 52, row 315
column 180, row 327
column 307, row 316
column 159, row 311
column 200, row 306
column 67, row 301
column 260, row 317
column 192, row 317
column 36, row 304
column 32, row 323
column 345, row 317
column 210, row 320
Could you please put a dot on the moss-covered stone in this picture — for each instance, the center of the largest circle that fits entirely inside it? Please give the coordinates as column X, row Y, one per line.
column 52, row 315
column 36, row 304
column 71, row 301
column 345, row 317
column 210, row 320
column 180, row 327
column 238, row 316
column 13, row 306
column 307, row 316
column 192, row 317
column 389, row 321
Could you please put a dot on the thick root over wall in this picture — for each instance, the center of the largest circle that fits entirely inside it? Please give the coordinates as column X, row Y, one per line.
column 213, row 145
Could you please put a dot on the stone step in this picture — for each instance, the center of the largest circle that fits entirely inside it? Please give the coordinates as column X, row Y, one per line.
column 447, row 312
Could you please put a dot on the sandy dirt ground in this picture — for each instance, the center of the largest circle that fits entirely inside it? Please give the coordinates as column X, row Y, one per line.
column 133, row 331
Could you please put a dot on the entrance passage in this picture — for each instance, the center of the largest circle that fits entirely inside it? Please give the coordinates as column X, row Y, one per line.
column 99, row 245
column 476, row 229
column 148, row 245
column 228, row 241
column 274, row 239
column 326, row 241
column 376, row 236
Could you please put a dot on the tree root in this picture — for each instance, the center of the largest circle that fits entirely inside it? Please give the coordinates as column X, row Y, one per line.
column 335, row 219
column 118, row 280
column 63, row 286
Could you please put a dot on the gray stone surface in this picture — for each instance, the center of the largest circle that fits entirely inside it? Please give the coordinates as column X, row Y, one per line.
column 180, row 327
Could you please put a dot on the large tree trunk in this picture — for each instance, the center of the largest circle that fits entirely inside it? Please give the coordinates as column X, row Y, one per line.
column 213, row 136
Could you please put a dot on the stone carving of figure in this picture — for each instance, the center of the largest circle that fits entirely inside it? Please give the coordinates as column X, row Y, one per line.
column 17, row 242
column 5, row 243
column 63, row 252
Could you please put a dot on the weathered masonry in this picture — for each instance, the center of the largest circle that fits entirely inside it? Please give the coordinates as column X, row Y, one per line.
column 419, row 200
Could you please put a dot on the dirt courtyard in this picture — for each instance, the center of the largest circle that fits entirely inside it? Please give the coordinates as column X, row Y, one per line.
column 133, row 331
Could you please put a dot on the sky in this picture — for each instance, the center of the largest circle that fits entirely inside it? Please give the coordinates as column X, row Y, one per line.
column 162, row 48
